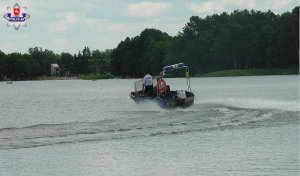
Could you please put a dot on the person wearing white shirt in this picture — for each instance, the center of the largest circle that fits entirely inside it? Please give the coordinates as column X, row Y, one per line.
column 147, row 83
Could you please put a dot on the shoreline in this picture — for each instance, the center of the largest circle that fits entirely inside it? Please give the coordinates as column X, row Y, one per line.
column 223, row 73
column 250, row 72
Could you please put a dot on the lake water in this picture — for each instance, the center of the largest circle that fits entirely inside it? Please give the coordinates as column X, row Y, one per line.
column 237, row 126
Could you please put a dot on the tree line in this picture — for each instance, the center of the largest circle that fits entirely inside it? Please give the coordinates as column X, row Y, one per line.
column 36, row 63
column 240, row 40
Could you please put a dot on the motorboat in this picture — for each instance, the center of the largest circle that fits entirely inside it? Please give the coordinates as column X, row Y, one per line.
column 161, row 90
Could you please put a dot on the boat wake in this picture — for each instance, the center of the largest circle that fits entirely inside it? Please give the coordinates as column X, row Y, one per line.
column 129, row 124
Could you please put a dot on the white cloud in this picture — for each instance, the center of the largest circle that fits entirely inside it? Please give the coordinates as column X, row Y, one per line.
column 108, row 34
column 147, row 9
column 276, row 4
column 70, row 17
column 60, row 41
column 131, row 29
column 244, row 4
column 208, row 7
column 218, row 6
column 64, row 21
column 54, row 23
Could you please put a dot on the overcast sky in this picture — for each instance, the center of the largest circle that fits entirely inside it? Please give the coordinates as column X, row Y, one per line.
column 69, row 25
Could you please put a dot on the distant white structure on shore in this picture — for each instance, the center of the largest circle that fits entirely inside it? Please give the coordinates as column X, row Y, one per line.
column 54, row 69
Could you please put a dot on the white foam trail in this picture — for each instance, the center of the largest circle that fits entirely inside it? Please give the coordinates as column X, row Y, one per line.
column 256, row 103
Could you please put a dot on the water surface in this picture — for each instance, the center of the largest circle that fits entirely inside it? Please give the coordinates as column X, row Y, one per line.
column 237, row 126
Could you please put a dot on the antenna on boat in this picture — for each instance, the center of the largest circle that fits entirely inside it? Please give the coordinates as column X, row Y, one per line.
column 188, row 82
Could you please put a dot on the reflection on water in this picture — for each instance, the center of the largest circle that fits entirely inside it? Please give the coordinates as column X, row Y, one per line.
column 237, row 126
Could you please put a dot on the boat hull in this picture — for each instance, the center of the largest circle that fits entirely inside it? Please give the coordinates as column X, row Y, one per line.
column 171, row 101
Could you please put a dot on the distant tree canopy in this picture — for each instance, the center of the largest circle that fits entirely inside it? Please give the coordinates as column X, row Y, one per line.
column 37, row 63
column 144, row 53
column 239, row 40
column 27, row 66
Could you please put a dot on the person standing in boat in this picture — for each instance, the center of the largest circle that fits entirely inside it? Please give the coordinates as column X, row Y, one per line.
column 147, row 83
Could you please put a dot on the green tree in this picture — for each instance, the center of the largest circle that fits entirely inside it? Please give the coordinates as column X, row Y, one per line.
column 82, row 61
column 100, row 61
column 133, row 57
column 67, row 62
column 44, row 58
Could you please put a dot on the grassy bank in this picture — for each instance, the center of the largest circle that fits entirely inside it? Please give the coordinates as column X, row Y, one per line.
column 96, row 76
column 250, row 72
